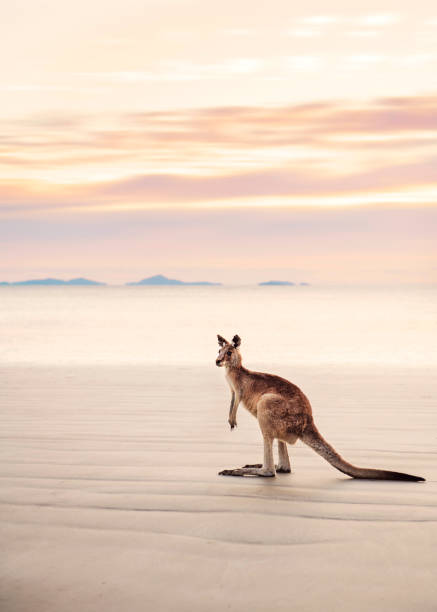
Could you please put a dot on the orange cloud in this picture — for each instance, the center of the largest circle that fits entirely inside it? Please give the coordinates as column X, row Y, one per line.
column 229, row 126
column 173, row 189
column 221, row 153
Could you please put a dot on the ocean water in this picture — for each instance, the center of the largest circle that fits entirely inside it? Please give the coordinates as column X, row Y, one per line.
column 178, row 325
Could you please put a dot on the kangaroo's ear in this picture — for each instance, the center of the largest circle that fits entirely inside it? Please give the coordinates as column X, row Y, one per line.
column 221, row 340
column 236, row 340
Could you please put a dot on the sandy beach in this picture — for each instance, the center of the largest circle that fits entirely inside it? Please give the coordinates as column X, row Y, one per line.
column 110, row 497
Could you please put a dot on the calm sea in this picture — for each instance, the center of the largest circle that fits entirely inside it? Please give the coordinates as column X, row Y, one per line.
column 178, row 325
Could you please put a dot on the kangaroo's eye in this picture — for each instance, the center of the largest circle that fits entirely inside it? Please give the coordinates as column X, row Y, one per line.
column 229, row 353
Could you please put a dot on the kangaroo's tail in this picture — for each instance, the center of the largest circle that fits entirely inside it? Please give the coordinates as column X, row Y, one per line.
column 315, row 440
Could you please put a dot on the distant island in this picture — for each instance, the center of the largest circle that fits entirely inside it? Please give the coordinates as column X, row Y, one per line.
column 54, row 281
column 159, row 279
column 281, row 284
column 275, row 282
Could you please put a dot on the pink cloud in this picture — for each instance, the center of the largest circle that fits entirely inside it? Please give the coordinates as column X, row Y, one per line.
column 174, row 189
column 227, row 126
column 228, row 145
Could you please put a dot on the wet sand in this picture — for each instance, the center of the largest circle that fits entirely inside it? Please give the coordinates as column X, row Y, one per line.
column 110, row 497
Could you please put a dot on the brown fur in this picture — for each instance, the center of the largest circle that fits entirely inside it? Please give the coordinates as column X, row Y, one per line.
column 284, row 414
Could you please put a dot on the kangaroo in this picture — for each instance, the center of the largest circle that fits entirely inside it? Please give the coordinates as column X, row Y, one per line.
column 284, row 413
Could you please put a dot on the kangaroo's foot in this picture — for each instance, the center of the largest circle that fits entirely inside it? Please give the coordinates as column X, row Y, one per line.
column 279, row 468
column 283, row 470
column 256, row 470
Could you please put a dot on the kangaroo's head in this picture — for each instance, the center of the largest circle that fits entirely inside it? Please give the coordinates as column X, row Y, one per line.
column 228, row 355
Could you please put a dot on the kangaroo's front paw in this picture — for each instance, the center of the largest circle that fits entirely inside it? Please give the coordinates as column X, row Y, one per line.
column 232, row 423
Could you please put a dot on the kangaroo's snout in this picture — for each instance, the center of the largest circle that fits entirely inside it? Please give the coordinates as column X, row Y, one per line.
column 218, row 362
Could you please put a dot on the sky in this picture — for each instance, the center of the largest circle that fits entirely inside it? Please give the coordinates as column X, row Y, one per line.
column 232, row 141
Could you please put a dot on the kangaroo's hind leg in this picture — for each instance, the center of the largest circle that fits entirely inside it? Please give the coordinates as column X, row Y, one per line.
column 267, row 469
column 269, row 409
column 283, row 466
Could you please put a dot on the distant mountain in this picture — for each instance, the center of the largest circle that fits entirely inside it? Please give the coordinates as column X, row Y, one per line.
column 83, row 281
column 54, row 281
column 159, row 279
column 274, row 282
